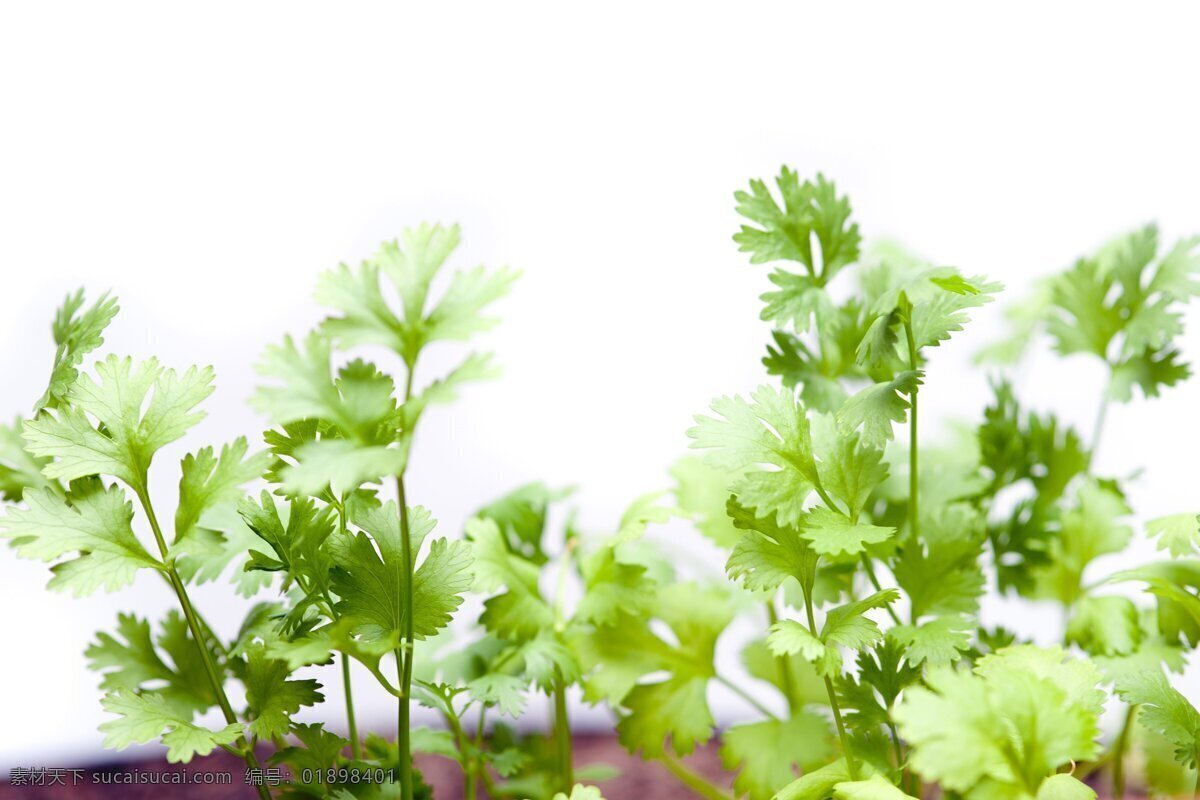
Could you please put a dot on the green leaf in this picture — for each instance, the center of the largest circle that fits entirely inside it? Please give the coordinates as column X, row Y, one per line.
column 767, row 441
column 1048, row 707
column 1164, row 711
column 940, row 641
column 1178, row 533
column 701, row 491
column 94, row 523
column 850, row 471
column 831, row 534
column 612, row 588
column 340, row 466
column 1089, row 530
column 370, row 577
column 320, row 751
column 764, row 560
column 874, row 788
column 1064, row 787
column 208, row 480
column 789, row 637
column 76, row 335
column 307, row 389
column 519, row 612
column 616, row 657
column 1104, row 626
column 475, row 367
column 580, row 792
column 768, row 754
column 505, row 692
column 809, row 211
column 130, row 428
column 799, row 299
column 521, row 516
column 875, row 408
column 273, row 698
column 142, row 718
column 818, row 784
column 845, row 626
column 173, row 670
column 1149, row 371
column 410, row 265
column 19, row 471
column 676, row 708
column 940, row 573
column 848, row 626
column 297, row 545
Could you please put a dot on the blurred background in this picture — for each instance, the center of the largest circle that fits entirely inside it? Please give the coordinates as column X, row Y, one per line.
column 206, row 163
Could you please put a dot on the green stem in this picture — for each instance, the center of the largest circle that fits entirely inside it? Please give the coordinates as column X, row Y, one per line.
column 693, row 781
column 749, row 698
column 479, row 770
column 193, row 622
column 870, row 570
column 347, row 686
column 562, row 734
column 851, row 766
column 404, row 654
column 350, row 721
column 786, row 679
column 1118, row 756
column 913, row 474
column 466, row 762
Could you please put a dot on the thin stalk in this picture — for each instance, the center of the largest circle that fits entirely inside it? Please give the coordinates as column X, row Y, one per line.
column 693, row 781
column 870, row 570
column 749, row 698
column 562, row 734
column 467, row 762
column 786, row 678
column 193, row 622
column 1118, row 756
column 350, row 721
column 478, row 768
column 913, row 474
column 404, row 654
column 347, row 686
column 851, row 766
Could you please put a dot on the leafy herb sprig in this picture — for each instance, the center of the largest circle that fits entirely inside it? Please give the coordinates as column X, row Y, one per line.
column 861, row 553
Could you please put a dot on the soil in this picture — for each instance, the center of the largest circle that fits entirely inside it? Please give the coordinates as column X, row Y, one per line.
column 637, row 780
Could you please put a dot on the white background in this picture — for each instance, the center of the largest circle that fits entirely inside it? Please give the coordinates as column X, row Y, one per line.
column 207, row 162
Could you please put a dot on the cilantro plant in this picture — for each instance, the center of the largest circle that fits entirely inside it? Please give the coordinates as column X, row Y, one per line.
column 858, row 540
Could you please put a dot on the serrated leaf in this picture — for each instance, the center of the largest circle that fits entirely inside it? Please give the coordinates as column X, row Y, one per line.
column 370, row 577
column 876, row 408
column 272, row 697
column 769, row 443
column 76, row 335
column 137, row 412
column 768, row 754
column 809, row 210
column 1177, row 533
column 505, row 692
column 145, row 717
column 93, row 532
column 940, row 641
column 832, row 534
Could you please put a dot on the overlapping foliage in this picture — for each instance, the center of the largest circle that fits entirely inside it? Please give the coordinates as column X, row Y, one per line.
column 860, row 547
